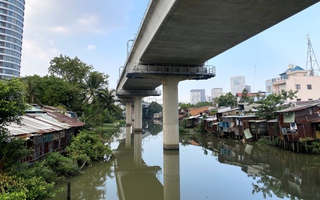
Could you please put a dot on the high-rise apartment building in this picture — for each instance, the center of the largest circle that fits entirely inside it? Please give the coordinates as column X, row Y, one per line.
column 237, row 84
column 216, row 92
column 11, row 30
column 197, row 95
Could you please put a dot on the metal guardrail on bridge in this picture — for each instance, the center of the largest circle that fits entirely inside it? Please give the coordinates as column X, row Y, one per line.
column 198, row 72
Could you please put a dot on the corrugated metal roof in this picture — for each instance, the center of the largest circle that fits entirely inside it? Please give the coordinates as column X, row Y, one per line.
column 66, row 119
column 30, row 125
column 238, row 116
column 299, row 107
column 50, row 120
column 223, row 110
column 37, row 121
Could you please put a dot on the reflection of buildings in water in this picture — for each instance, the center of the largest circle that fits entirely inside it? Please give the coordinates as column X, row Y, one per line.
column 136, row 180
column 296, row 174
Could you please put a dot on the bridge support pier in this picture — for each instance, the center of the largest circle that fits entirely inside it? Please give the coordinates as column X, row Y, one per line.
column 171, row 175
column 137, row 149
column 128, row 136
column 137, row 128
column 128, row 114
column 170, row 113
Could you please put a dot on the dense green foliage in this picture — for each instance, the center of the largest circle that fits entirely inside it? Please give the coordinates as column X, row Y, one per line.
column 11, row 151
column 86, row 148
column 197, row 105
column 20, row 181
column 73, row 85
column 11, row 101
column 226, row 100
column 70, row 70
column 245, row 98
column 273, row 102
column 153, row 108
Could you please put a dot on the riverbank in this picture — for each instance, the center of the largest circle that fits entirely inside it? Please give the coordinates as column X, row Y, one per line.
column 87, row 148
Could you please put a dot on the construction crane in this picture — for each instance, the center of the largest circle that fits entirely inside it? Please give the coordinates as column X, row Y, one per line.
column 312, row 63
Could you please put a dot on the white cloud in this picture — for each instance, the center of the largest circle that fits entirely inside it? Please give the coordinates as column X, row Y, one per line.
column 91, row 47
column 36, row 57
column 88, row 20
column 59, row 29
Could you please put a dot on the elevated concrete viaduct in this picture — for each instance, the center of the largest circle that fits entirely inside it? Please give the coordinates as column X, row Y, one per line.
column 177, row 37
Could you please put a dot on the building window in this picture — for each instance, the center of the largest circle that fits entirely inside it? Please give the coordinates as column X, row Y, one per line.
column 298, row 87
column 309, row 87
column 269, row 89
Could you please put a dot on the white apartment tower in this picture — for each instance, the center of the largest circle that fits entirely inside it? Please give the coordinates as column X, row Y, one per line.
column 237, row 84
column 197, row 95
column 216, row 92
column 11, row 30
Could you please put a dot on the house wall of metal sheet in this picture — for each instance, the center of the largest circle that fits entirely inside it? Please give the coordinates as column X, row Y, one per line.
column 280, row 119
column 293, row 137
column 273, row 129
column 301, row 113
column 262, row 128
column 305, row 130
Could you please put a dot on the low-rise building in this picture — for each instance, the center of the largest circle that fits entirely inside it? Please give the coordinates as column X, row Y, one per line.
column 44, row 132
column 296, row 78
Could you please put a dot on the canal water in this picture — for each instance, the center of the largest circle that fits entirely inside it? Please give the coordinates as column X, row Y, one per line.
column 203, row 168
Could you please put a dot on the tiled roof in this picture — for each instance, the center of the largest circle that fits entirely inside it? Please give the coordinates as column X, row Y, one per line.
column 197, row 111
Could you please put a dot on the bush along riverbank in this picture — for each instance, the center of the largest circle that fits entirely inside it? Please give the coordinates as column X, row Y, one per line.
column 36, row 181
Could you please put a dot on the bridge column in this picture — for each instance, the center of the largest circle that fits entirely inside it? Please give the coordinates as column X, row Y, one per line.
column 171, row 175
column 128, row 136
column 137, row 114
column 137, row 149
column 170, row 113
column 128, row 114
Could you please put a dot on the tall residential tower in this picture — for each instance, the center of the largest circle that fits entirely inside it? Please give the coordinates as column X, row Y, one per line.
column 197, row 95
column 11, row 29
column 237, row 84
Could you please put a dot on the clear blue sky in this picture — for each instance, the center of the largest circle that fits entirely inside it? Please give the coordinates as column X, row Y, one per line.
column 97, row 32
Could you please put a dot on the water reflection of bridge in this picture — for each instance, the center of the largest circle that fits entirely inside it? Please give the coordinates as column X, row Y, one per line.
column 136, row 180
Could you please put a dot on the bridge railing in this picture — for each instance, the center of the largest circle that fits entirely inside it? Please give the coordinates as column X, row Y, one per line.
column 155, row 92
column 201, row 71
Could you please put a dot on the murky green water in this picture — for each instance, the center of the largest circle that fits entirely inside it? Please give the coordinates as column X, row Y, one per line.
column 203, row 168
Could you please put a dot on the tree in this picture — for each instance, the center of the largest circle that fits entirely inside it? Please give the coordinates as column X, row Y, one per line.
column 12, row 93
column 273, row 102
column 202, row 104
column 87, row 148
column 102, row 108
column 32, row 84
column 54, row 91
column 71, row 70
column 227, row 100
column 95, row 82
column 155, row 107
column 184, row 105
column 245, row 98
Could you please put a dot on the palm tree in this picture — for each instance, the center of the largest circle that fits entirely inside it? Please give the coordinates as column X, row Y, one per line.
column 32, row 89
column 94, row 82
